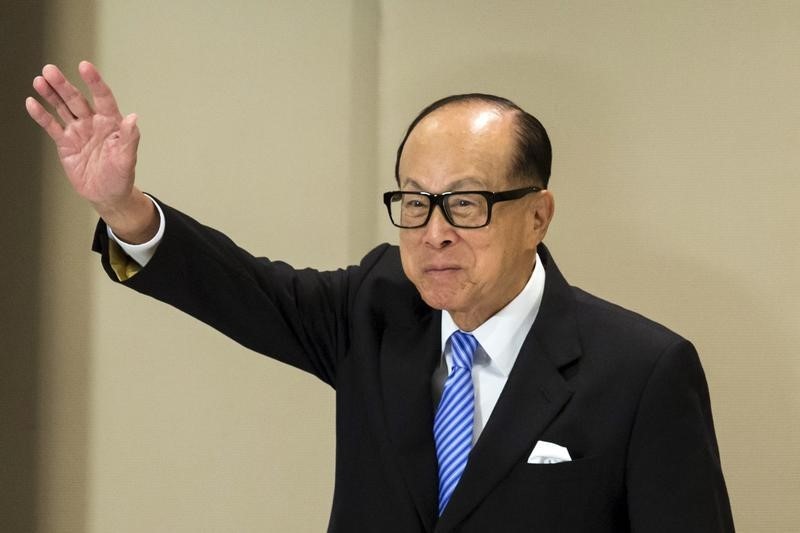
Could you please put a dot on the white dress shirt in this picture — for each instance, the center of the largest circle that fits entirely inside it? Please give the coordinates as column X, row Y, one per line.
column 499, row 341
column 142, row 253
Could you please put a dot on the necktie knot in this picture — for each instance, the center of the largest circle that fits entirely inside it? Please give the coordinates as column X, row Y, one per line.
column 463, row 348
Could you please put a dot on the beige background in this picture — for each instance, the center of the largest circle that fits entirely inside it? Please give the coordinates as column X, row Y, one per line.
column 676, row 136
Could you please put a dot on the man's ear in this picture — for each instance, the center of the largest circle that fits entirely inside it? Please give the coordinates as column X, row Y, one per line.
column 544, row 208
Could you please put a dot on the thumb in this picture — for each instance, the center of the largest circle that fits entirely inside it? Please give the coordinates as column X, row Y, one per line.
column 129, row 133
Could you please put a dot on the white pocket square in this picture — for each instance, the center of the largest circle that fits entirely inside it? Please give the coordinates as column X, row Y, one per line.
column 547, row 453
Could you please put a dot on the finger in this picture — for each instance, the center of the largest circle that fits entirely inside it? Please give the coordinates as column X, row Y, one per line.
column 75, row 101
column 104, row 101
column 51, row 97
column 129, row 134
column 44, row 119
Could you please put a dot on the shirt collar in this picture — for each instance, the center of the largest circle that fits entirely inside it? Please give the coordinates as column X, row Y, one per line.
column 502, row 335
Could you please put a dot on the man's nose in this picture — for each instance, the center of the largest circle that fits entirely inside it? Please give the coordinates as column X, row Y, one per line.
column 438, row 231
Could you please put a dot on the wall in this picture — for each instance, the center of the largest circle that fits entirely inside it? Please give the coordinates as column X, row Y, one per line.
column 252, row 121
column 44, row 309
column 675, row 132
column 19, row 214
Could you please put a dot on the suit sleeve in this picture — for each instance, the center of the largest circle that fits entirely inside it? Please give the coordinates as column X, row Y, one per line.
column 674, row 477
column 300, row 317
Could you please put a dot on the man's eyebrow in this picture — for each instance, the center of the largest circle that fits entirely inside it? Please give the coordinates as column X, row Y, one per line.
column 462, row 183
column 412, row 183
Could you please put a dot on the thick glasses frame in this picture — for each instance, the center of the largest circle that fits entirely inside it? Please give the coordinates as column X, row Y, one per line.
column 439, row 199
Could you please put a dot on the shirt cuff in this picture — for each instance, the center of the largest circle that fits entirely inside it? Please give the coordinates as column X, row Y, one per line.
column 142, row 253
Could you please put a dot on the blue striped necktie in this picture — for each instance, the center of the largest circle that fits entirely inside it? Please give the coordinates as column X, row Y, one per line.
column 452, row 425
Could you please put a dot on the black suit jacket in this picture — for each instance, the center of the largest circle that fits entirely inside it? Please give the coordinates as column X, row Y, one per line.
column 627, row 397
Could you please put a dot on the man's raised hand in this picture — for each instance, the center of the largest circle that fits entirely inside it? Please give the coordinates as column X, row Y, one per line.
column 97, row 147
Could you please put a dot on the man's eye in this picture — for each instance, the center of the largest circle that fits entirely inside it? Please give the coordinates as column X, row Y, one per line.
column 462, row 204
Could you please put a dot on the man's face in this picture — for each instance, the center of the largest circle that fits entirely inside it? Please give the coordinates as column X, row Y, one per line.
column 472, row 273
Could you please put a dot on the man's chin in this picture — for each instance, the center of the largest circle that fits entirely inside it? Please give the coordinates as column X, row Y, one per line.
column 438, row 301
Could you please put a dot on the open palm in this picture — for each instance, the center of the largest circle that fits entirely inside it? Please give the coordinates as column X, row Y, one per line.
column 96, row 145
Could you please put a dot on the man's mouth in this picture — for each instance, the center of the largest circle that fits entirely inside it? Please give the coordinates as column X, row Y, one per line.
column 437, row 269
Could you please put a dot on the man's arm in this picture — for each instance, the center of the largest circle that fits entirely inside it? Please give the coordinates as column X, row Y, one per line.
column 97, row 147
column 301, row 317
column 674, row 476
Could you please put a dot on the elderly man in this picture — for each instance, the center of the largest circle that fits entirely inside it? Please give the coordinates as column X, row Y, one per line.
column 475, row 389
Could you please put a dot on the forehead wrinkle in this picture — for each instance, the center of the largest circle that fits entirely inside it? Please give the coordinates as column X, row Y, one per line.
column 460, row 183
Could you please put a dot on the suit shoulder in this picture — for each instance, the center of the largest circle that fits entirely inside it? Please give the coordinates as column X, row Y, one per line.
column 384, row 288
column 624, row 348
column 381, row 273
column 600, row 318
column 384, row 254
column 382, row 264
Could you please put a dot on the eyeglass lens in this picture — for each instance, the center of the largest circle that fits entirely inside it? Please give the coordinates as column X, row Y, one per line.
column 464, row 209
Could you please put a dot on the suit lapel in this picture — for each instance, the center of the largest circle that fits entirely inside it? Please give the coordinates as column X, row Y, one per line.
column 408, row 358
column 533, row 395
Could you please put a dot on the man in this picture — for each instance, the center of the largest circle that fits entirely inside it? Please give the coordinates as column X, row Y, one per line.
column 475, row 389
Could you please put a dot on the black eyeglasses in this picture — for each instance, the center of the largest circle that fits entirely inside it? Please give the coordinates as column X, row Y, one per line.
column 462, row 209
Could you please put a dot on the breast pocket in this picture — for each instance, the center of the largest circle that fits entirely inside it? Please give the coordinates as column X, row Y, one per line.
column 579, row 495
column 566, row 472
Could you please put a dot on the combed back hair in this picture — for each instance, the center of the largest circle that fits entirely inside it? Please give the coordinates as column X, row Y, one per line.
column 533, row 156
